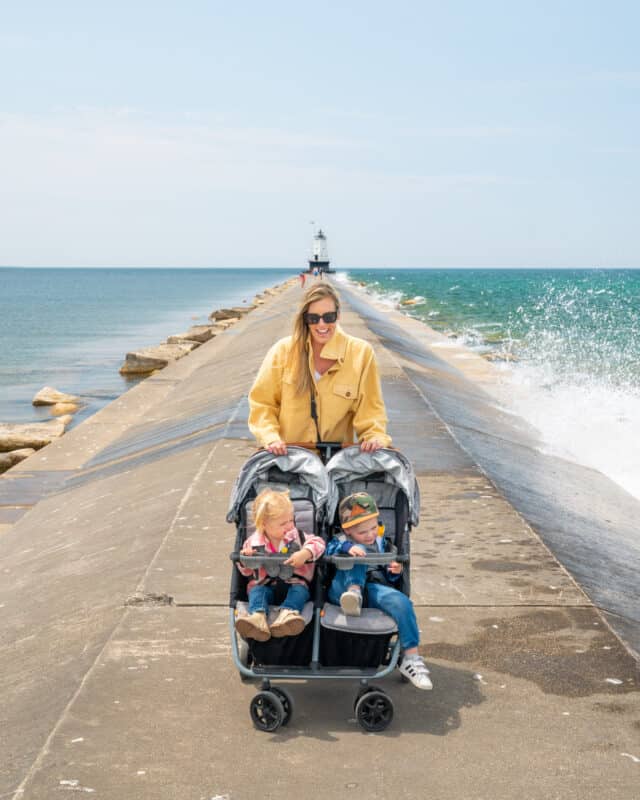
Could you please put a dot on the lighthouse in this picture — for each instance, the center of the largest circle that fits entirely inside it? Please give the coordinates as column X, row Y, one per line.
column 319, row 253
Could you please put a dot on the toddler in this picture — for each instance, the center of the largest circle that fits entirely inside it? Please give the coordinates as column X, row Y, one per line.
column 276, row 533
column 362, row 534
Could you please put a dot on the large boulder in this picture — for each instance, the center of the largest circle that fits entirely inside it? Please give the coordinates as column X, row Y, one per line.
column 48, row 396
column 142, row 362
column 34, row 434
column 7, row 460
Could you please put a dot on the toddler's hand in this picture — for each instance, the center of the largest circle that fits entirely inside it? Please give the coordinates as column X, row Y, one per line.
column 395, row 568
column 356, row 550
column 299, row 558
column 247, row 550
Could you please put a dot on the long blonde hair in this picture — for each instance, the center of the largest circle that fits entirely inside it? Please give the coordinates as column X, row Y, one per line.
column 319, row 291
column 270, row 504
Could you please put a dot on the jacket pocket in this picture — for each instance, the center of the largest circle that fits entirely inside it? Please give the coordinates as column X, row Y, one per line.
column 346, row 390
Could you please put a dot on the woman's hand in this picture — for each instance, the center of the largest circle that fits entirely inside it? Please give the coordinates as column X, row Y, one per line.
column 299, row 558
column 278, row 448
column 370, row 445
column 395, row 568
column 356, row 550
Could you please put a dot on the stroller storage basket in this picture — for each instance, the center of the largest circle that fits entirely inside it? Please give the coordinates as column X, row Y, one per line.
column 362, row 641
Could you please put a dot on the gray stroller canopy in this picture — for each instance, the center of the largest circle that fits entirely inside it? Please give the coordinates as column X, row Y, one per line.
column 298, row 460
column 351, row 464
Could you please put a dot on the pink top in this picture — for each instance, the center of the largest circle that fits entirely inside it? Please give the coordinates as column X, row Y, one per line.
column 303, row 574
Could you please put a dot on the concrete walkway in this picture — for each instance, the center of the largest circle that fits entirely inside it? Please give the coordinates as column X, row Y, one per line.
column 116, row 678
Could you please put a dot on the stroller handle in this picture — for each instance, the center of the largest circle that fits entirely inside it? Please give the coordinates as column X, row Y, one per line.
column 374, row 559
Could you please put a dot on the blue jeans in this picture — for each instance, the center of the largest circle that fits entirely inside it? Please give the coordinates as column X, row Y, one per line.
column 261, row 597
column 392, row 601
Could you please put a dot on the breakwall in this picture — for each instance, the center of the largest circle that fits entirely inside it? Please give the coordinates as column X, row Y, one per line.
column 116, row 672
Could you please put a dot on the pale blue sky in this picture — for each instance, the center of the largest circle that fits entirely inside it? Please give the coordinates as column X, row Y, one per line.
column 416, row 133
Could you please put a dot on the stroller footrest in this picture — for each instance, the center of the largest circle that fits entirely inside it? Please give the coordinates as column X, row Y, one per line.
column 371, row 621
column 242, row 610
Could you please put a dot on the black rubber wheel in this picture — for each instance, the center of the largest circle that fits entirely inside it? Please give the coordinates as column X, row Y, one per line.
column 361, row 693
column 374, row 711
column 267, row 712
column 287, row 703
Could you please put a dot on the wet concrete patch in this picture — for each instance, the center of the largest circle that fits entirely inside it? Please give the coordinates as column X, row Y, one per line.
column 505, row 566
column 9, row 515
column 564, row 651
column 163, row 434
column 27, row 488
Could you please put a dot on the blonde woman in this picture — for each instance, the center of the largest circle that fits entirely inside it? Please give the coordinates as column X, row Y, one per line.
column 320, row 384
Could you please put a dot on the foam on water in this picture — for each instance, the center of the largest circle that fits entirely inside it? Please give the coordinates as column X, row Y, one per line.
column 588, row 422
column 576, row 335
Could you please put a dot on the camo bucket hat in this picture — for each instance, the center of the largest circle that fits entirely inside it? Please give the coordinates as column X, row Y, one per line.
column 356, row 508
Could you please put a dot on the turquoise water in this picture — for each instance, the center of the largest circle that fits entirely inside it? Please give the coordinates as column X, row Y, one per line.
column 71, row 328
column 586, row 320
column 575, row 335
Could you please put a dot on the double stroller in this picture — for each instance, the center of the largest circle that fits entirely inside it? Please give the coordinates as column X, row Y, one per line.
column 332, row 645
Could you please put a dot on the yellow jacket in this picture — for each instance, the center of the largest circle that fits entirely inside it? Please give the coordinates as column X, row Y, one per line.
column 348, row 396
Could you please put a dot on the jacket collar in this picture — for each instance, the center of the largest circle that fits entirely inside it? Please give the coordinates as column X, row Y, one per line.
column 335, row 348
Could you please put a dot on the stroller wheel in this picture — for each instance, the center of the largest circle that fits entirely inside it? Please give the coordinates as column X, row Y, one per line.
column 267, row 712
column 365, row 690
column 374, row 711
column 287, row 703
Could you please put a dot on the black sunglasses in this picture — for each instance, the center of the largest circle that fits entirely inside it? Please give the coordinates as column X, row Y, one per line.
column 314, row 319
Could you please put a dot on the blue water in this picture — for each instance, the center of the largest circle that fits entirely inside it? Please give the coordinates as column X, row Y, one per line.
column 575, row 335
column 71, row 328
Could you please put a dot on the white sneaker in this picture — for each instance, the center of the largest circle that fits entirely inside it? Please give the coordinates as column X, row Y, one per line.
column 414, row 668
column 351, row 602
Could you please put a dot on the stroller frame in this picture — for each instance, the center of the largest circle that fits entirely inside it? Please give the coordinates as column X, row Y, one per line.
column 272, row 707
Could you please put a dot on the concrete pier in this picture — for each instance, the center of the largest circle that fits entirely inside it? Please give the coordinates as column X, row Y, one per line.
column 116, row 677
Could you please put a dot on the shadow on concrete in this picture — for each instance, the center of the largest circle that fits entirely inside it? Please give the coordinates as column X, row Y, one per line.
column 434, row 713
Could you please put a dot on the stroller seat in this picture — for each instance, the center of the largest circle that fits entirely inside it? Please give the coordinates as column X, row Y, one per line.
column 371, row 621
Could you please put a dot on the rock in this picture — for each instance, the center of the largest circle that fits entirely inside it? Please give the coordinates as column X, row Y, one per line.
column 35, row 434
column 66, row 419
column 223, row 324
column 182, row 338
column 141, row 362
column 7, row 460
column 500, row 357
column 63, row 408
column 201, row 333
column 47, row 396
column 410, row 302
column 229, row 313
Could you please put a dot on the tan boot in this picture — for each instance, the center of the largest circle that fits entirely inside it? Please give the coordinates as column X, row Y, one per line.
column 288, row 623
column 254, row 626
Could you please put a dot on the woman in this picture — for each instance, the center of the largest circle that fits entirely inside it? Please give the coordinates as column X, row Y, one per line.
column 319, row 384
